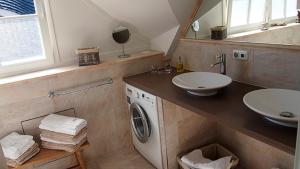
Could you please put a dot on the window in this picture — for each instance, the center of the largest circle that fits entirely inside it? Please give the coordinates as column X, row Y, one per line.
column 277, row 9
column 246, row 12
column 247, row 15
column 283, row 9
column 23, row 35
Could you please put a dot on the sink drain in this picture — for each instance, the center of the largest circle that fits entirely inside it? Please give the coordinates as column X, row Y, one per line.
column 287, row 114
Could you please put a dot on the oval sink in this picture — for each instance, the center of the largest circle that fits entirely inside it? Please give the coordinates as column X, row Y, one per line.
column 201, row 83
column 280, row 106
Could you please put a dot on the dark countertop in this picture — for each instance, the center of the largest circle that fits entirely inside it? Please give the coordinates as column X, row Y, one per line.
column 226, row 107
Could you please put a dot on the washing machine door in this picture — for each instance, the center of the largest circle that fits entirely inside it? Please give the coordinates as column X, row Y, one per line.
column 140, row 123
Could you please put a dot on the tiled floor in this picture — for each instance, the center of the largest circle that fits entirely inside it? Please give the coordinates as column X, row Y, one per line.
column 129, row 159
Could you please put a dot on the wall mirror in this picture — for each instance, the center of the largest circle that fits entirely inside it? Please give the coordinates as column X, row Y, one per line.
column 252, row 21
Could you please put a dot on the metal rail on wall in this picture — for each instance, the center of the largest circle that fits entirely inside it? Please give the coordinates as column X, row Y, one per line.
column 81, row 88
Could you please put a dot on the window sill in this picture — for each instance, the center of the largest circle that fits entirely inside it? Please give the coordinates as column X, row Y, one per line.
column 70, row 69
column 250, row 33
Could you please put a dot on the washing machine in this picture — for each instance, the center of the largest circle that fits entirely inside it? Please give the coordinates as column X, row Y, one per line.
column 145, row 125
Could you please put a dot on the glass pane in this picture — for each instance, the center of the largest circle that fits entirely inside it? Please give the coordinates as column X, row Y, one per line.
column 22, row 40
column 16, row 7
column 239, row 13
column 138, row 123
column 257, row 11
column 277, row 9
column 291, row 8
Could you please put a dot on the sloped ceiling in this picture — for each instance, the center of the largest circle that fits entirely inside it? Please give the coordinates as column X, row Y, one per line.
column 151, row 18
column 81, row 24
column 183, row 9
column 206, row 6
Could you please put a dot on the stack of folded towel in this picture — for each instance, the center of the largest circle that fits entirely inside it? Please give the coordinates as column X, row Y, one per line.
column 18, row 148
column 63, row 133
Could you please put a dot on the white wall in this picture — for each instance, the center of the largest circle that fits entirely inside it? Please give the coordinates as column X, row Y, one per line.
column 87, row 23
column 79, row 23
column 165, row 40
column 155, row 19
column 151, row 18
column 206, row 21
column 206, row 6
column 182, row 9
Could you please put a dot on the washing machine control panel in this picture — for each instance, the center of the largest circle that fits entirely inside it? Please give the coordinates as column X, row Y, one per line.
column 132, row 93
column 137, row 95
column 147, row 98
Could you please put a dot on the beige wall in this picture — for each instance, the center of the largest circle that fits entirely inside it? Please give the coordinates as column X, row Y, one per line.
column 104, row 107
column 254, row 154
column 267, row 67
column 185, row 130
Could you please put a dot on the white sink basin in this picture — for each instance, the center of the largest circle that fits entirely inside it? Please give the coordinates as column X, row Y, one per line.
column 201, row 83
column 280, row 106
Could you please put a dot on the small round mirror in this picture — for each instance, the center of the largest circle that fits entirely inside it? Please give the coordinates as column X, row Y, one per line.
column 196, row 26
column 121, row 35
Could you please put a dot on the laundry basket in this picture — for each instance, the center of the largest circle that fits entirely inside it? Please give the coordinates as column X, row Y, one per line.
column 213, row 152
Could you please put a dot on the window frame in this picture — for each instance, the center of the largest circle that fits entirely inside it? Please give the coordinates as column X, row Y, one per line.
column 254, row 26
column 49, row 45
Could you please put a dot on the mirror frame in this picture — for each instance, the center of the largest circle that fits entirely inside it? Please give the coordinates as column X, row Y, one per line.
column 188, row 24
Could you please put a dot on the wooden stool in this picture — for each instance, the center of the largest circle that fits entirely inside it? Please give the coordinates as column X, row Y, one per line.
column 46, row 156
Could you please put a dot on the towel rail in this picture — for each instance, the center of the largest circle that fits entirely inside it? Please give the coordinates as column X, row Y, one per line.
column 81, row 88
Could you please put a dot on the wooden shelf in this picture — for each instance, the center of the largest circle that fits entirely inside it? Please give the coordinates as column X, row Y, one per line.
column 46, row 155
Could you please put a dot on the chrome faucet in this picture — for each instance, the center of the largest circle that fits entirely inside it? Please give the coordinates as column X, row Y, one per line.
column 222, row 63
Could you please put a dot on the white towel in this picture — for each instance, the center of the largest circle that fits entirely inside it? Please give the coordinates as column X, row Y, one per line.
column 14, row 145
column 73, row 142
column 63, row 124
column 221, row 163
column 196, row 160
column 57, row 142
column 194, row 157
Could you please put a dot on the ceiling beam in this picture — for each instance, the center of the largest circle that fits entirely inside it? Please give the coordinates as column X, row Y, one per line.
column 185, row 27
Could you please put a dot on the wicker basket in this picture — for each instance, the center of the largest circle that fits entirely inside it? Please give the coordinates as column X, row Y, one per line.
column 213, row 152
column 88, row 56
column 218, row 33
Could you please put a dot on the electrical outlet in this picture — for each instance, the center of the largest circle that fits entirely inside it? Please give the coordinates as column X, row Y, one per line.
column 240, row 54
